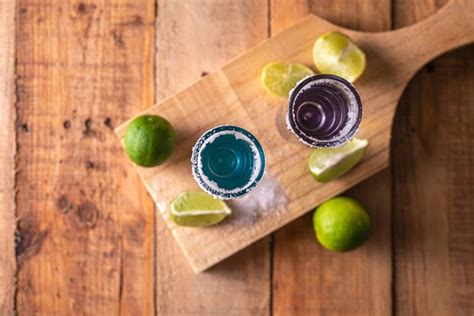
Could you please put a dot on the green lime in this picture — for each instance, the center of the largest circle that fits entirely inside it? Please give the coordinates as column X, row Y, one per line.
column 335, row 53
column 197, row 209
column 149, row 140
column 326, row 164
column 341, row 224
column 279, row 78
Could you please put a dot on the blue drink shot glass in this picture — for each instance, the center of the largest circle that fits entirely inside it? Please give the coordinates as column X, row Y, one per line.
column 228, row 162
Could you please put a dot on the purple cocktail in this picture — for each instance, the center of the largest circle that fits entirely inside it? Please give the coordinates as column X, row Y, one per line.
column 324, row 111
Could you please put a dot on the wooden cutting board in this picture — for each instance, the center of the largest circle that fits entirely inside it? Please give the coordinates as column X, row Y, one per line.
column 233, row 95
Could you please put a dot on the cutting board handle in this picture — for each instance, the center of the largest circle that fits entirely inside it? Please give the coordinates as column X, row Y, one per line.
column 451, row 27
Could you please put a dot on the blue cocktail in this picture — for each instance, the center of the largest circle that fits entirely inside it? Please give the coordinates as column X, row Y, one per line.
column 228, row 162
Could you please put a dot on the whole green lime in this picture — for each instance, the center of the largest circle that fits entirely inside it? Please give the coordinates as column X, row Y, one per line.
column 149, row 140
column 341, row 224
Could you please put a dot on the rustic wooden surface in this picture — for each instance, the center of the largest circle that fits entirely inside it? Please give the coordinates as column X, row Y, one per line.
column 70, row 55
column 232, row 95
column 85, row 223
column 7, row 156
column 433, row 187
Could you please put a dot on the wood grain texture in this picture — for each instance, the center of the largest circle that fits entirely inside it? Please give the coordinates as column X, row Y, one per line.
column 7, row 156
column 85, row 223
column 309, row 280
column 433, row 168
column 85, row 249
column 351, row 14
column 285, row 13
column 194, row 38
column 232, row 95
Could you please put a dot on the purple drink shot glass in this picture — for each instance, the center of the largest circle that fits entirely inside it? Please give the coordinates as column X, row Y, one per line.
column 324, row 111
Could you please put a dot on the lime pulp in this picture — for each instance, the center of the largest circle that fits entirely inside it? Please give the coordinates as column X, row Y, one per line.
column 198, row 209
column 279, row 78
column 327, row 164
column 336, row 54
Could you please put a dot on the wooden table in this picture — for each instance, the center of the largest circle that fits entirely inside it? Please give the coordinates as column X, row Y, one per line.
column 88, row 241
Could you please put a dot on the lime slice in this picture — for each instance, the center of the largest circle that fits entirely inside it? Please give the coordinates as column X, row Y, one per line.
column 334, row 53
column 149, row 140
column 326, row 164
column 198, row 209
column 341, row 224
column 279, row 78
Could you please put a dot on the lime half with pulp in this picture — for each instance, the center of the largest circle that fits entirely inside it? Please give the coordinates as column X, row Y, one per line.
column 198, row 209
column 279, row 78
column 336, row 54
column 326, row 164
column 341, row 224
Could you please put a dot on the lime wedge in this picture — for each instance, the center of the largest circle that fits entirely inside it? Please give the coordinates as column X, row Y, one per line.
column 198, row 209
column 326, row 164
column 279, row 78
column 334, row 53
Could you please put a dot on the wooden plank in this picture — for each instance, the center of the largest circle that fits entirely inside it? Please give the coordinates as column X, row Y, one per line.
column 193, row 38
column 233, row 95
column 433, row 169
column 86, row 225
column 7, row 157
column 347, row 13
column 309, row 280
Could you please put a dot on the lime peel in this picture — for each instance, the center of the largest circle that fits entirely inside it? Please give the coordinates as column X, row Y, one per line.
column 335, row 53
column 198, row 209
column 341, row 224
column 149, row 140
column 280, row 78
column 338, row 157
column 327, row 164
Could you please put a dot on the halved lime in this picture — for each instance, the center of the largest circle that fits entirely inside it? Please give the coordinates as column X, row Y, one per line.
column 198, row 209
column 149, row 140
column 279, row 78
column 341, row 224
column 336, row 54
column 326, row 164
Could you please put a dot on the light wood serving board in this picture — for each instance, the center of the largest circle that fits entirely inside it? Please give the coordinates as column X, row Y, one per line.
column 233, row 95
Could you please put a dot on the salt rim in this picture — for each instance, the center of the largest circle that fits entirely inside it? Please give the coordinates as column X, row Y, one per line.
column 212, row 187
column 352, row 112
